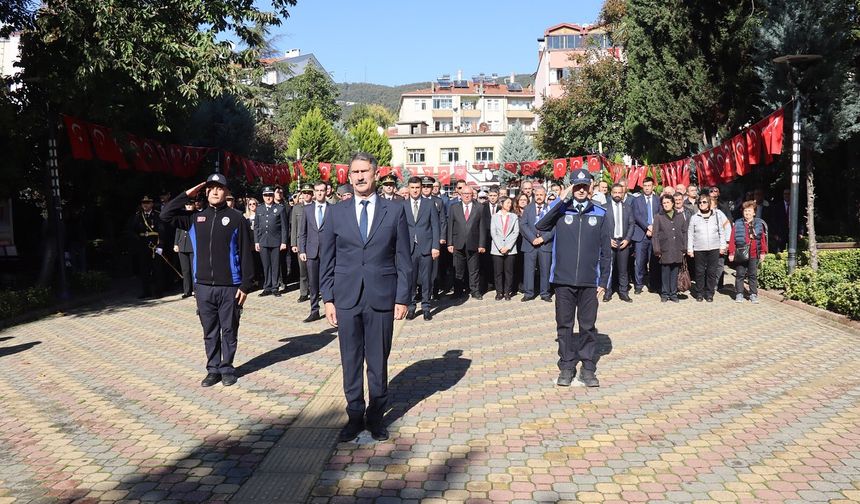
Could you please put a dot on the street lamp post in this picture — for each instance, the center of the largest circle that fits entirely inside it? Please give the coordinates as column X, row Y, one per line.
column 795, row 59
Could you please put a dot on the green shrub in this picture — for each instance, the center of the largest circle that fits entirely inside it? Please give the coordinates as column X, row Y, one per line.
column 847, row 300
column 90, row 281
column 801, row 285
column 13, row 303
column 843, row 262
column 773, row 272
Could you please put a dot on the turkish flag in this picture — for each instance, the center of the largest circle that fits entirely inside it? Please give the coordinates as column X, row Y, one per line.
column 150, row 155
column 576, row 163
column 298, row 169
column 460, row 172
column 528, row 167
column 559, row 167
column 726, row 162
column 445, row 175
column 428, row 171
column 79, row 138
column 739, row 146
column 137, row 158
column 753, row 139
column 192, row 159
column 342, row 171
column 103, row 143
column 383, row 170
column 685, row 172
column 325, row 171
column 511, row 167
column 478, row 166
column 712, row 167
column 397, row 171
column 228, row 162
column 250, row 170
column 594, row 164
column 163, row 158
column 176, row 157
column 773, row 134
column 493, row 166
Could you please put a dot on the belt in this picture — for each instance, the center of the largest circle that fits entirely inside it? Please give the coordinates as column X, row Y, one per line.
column 149, row 233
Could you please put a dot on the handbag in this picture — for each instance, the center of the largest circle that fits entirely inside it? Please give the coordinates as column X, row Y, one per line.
column 684, row 281
column 742, row 254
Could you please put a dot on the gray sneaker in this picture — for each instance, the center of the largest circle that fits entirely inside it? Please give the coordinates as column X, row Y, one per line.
column 753, row 299
column 565, row 378
column 739, row 298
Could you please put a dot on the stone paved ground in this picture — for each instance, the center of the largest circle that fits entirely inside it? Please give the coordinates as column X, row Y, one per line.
column 104, row 405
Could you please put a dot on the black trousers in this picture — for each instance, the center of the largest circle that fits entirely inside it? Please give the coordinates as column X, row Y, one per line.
column 707, row 271
column 620, row 281
column 313, row 267
column 581, row 346
column 669, row 278
column 750, row 271
column 150, row 272
column 422, row 274
column 444, row 276
column 270, row 257
column 364, row 335
column 303, row 279
column 542, row 260
column 467, row 262
column 286, row 264
column 219, row 315
column 503, row 266
column 185, row 261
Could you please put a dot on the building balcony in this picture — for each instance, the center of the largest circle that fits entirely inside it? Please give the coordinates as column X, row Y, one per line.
column 443, row 114
column 470, row 113
column 520, row 114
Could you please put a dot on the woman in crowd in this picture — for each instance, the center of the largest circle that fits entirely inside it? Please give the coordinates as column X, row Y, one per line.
column 520, row 204
column 183, row 248
column 747, row 248
column 706, row 241
column 669, row 240
column 250, row 213
column 504, row 231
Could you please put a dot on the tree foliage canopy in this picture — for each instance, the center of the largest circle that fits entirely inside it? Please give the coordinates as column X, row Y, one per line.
column 297, row 96
column 516, row 147
column 366, row 138
column 316, row 140
column 380, row 115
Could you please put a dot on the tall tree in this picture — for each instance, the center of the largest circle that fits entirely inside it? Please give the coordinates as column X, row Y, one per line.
column 516, row 147
column 367, row 139
column 378, row 113
column 302, row 93
column 316, row 141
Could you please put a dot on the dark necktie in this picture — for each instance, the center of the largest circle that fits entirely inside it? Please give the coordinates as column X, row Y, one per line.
column 362, row 221
column 579, row 207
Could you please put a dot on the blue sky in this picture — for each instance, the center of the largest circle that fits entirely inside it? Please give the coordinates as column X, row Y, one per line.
column 398, row 42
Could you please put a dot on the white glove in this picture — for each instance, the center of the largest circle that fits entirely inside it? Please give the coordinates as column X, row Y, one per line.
column 159, row 250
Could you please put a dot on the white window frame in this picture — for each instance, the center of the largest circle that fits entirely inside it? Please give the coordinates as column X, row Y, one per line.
column 445, row 155
column 440, row 102
column 413, row 155
column 484, row 154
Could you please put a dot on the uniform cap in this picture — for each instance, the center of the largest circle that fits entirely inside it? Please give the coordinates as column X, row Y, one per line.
column 268, row 190
column 145, row 199
column 482, row 194
column 307, row 188
column 344, row 189
column 389, row 180
column 427, row 181
column 580, row 177
column 217, row 178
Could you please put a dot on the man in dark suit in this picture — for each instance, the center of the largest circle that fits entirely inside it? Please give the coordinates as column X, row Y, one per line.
column 296, row 216
column 422, row 218
column 309, row 245
column 271, row 231
column 645, row 266
column 536, row 246
column 366, row 272
column 429, row 190
column 467, row 240
column 621, row 216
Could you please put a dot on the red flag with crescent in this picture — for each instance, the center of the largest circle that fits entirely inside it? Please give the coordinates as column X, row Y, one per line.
column 138, row 160
column 299, row 169
column 460, row 172
column 753, row 139
column 103, row 143
column 325, row 171
column 445, row 175
column 194, row 156
column 493, row 166
column 559, row 167
column 383, row 171
column 478, row 166
column 228, row 163
column 428, row 171
column 594, row 164
column 773, row 132
column 576, row 163
column 726, row 162
column 397, row 171
column 511, row 167
column 528, row 167
column 79, row 138
column 739, row 146
column 341, row 170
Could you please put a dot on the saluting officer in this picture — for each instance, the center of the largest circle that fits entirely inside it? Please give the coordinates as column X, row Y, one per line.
column 271, row 230
column 145, row 229
column 389, row 188
column 581, row 260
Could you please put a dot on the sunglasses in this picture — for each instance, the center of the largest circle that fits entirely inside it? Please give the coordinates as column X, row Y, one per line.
column 704, row 202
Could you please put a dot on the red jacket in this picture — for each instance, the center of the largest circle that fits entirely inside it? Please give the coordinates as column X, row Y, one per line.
column 758, row 246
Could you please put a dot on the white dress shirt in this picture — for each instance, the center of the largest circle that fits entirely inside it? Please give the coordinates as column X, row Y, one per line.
column 317, row 213
column 371, row 208
column 617, row 209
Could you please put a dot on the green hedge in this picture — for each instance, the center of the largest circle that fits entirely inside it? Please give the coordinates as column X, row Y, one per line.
column 835, row 286
column 14, row 303
column 90, row 282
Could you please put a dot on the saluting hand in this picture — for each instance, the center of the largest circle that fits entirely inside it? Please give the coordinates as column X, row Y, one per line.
column 566, row 192
column 192, row 193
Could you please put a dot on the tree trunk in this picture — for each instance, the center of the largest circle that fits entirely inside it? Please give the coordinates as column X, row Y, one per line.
column 810, row 213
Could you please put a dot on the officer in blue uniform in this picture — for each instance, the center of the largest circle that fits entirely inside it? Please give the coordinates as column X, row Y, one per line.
column 581, row 261
column 271, row 235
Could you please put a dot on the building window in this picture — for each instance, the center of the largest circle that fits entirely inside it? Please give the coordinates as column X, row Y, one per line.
column 483, row 154
column 493, row 104
column 420, row 104
column 415, row 156
column 519, row 104
column 444, row 125
column 442, row 103
column 449, row 155
column 495, row 125
column 467, row 104
column 467, row 126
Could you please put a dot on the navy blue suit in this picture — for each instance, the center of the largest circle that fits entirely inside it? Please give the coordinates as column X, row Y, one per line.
column 309, row 244
column 424, row 236
column 644, row 262
column 365, row 278
column 540, row 256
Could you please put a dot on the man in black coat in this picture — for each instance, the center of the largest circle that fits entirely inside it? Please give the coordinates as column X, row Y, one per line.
column 467, row 240
column 422, row 218
column 271, row 231
column 621, row 216
column 146, row 229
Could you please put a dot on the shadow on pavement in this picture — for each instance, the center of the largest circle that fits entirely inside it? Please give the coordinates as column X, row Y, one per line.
column 604, row 346
column 422, row 379
column 447, row 302
column 18, row 348
column 295, row 346
column 6, row 338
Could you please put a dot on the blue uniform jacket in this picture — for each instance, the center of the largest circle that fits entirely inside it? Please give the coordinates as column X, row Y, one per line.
column 582, row 249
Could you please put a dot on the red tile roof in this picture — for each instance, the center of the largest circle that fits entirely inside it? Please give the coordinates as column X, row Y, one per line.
column 500, row 90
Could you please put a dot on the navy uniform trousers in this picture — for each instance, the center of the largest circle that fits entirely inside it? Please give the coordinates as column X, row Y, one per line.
column 365, row 334
column 580, row 346
column 219, row 314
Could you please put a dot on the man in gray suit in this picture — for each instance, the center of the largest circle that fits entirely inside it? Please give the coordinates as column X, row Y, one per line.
column 536, row 246
column 309, row 245
column 270, row 238
column 621, row 215
column 422, row 218
column 296, row 217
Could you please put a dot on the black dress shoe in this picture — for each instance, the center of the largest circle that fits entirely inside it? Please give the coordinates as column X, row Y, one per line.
column 527, row 298
column 313, row 317
column 637, row 290
column 710, row 299
column 228, row 379
column 410, row 315
column 276, row 293
column 302, row 299
column 428, row 315
column 499, row 297
column 625, row 298
column 378, row 432
column 547, row 299
column 606, row 299
column 477, row 296
column 211, row 379
column 350, row 431
column 508, row 297
column 265, row 293
column 587, row 377
column 565, row 377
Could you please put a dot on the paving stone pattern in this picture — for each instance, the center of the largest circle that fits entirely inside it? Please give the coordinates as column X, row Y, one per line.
column 698, row 403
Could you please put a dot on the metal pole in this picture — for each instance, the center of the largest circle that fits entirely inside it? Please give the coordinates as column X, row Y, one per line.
column 795, row 187
column 57, row 204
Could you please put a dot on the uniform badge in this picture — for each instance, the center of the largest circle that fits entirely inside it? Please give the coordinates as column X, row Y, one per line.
column 276, row 210
column 592, row 221
column 225, row 220
column 568, row 219
column 201, row 218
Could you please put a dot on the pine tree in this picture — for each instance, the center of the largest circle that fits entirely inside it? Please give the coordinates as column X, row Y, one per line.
column 316, row 140
column 516, row 147
column 368, row 139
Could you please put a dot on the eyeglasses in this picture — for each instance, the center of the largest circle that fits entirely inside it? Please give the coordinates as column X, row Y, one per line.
column 715, row 191
column 252, row 204
column 703, row 202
